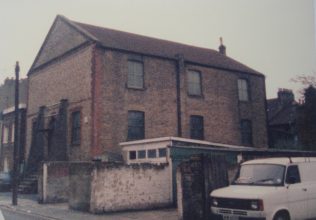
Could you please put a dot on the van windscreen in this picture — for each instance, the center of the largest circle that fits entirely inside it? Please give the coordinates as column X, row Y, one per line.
column 260, row 174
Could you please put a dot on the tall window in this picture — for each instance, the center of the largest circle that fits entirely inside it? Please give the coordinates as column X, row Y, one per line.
column 243, row 90
column 136, row 125
column 75, row 127
column 5, row 134
column 194, row 83
column 197, row 127
column 246, row 132
column 135, row 75
column 12, row 133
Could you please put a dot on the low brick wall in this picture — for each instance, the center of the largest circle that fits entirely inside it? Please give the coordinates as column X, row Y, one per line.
column 118, row 187
column 53, row 184
column 80, row 185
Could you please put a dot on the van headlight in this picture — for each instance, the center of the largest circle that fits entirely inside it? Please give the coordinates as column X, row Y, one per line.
column 214, row 201
column 256, row 205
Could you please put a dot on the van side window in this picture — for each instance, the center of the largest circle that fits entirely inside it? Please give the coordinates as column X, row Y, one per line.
column 293, row 175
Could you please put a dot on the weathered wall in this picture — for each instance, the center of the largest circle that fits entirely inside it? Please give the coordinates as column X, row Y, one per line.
column 6, row 149
column 195, row 180
column 53, row 184
column 219, row 103
column 114, row 99
column 121, row 187
column 221, row 108
column 68, row 78
column 80, row 185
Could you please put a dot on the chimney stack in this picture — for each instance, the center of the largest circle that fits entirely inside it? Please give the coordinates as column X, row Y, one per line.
column 222, row 48
column 285, row 96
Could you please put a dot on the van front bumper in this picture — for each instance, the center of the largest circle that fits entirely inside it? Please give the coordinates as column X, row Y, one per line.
column 236, row 214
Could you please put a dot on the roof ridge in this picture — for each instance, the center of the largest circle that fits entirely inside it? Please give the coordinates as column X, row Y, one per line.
column 145, row 36
column 78, row 28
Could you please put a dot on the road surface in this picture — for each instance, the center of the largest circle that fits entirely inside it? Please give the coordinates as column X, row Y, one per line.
column 6, row 214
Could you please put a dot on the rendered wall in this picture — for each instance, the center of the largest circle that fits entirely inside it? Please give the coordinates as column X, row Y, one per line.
column 118, row 187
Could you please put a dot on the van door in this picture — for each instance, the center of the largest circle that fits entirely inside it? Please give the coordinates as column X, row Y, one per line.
column 306, row 170
column 297, row 194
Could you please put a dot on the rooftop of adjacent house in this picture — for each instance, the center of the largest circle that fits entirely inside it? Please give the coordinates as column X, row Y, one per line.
column 143, row 45
column 282, row 110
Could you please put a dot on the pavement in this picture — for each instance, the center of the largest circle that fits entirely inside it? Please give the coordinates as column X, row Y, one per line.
column 28, row 205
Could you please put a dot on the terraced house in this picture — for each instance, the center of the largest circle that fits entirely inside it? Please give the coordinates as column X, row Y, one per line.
column 91, row 88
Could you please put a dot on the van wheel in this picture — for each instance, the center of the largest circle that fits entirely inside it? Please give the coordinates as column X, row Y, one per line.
column 281, row 216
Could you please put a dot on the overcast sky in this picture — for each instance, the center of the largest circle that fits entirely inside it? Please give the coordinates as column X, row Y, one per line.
column 275, row 37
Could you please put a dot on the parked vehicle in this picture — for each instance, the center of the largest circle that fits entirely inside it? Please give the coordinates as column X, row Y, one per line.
column 5, row 181
column 270, row 189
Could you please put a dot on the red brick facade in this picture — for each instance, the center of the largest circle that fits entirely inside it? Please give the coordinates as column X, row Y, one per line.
column 93, row 78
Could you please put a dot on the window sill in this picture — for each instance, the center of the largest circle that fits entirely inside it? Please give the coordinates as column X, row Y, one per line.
column 135, row 88
column 245, row 102
column 195, row 96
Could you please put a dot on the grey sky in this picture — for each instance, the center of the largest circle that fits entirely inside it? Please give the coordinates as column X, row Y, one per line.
column 275, row 37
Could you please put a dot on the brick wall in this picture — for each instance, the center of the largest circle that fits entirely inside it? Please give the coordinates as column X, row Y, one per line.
column 53, row 184
column 120, row 187
column 69, row 78
column 157, row 100
column 221, row 109
column 6, row 149
column 219, row 104
column 94, row 80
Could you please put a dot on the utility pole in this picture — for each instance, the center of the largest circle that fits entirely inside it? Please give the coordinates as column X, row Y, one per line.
column 16, row 159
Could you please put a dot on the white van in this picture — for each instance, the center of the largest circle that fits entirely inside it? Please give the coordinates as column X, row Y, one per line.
column 270, row 189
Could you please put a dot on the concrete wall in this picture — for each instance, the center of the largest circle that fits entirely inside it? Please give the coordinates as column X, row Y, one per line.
column 53, row 184
column 121, row 187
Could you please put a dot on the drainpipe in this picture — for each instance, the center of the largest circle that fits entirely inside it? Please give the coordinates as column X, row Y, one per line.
column 180, row 70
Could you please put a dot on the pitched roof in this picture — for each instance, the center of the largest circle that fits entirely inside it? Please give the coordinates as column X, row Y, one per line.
column 281, row 114
column 120, row 40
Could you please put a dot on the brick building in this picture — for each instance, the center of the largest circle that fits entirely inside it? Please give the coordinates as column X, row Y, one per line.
column 7, row 120
column 282, row 120
column 91, row 88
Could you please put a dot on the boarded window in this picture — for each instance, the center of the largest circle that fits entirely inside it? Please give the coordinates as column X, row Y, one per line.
column 197, row 127
column 194, row 83
column 75, row 127
column 135, row 75
column 243, row 90
column 136, row 123
column 246, row 132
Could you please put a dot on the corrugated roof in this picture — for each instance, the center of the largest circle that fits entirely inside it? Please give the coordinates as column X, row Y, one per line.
column 156, row 47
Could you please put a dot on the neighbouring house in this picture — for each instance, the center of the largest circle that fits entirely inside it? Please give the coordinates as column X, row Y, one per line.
column 7, row 100
column 282, row 120
column 91, row 88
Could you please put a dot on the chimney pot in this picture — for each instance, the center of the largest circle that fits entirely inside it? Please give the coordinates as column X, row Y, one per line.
column 222, row 48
